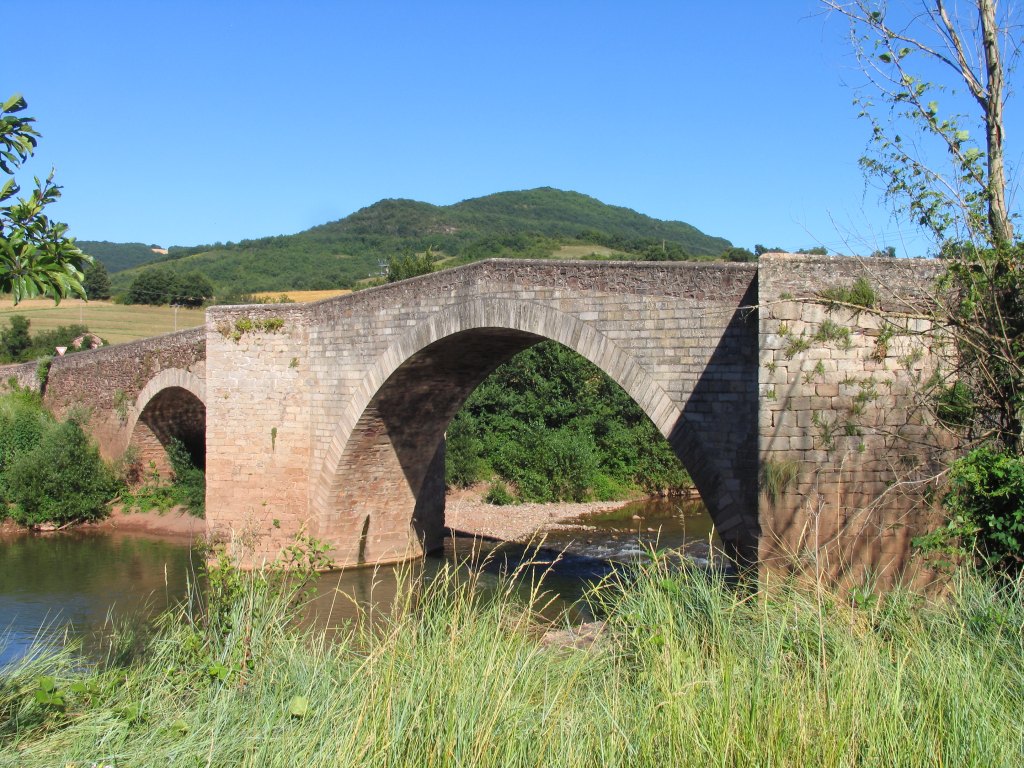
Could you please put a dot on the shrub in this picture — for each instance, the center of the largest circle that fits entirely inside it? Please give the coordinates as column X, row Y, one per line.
column 23, row 421
column 986, row 496
column 62, row 479
column 498, row 494
column 189, row 481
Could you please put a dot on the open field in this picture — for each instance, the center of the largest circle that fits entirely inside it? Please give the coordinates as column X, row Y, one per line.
column 302, row 297
column 584, row 252
column 116, row 323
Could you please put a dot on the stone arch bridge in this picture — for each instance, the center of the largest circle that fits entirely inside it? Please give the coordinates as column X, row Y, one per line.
column 329, row 418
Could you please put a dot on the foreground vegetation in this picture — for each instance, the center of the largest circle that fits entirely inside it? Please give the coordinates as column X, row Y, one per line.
column 686, row 671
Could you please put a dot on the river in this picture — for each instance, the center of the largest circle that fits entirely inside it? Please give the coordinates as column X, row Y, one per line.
column 82, row 583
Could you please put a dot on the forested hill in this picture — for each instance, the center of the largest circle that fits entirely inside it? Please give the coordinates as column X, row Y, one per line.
column 118, row 256
column 538, row 223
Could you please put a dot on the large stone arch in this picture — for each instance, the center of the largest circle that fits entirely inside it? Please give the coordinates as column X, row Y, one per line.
column 171, row 404
column 379, row 494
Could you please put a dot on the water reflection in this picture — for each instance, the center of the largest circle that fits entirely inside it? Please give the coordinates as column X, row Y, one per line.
column 85, row 580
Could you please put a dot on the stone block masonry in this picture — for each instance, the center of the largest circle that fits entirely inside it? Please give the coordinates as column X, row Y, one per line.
column 847, row 450
column 357, row 392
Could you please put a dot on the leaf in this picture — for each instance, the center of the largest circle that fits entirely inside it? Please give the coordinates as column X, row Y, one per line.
column 14, row 104
column 46, row 683
column 298, row 706
column 963, row 135
column 180, row 727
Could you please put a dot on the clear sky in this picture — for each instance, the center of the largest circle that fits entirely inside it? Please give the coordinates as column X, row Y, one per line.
column 185, row 122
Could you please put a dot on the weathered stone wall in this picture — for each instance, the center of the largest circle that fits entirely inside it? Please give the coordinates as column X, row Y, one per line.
column 259, row 425
column 21, row 375
column 846, row 446
column 358, row 391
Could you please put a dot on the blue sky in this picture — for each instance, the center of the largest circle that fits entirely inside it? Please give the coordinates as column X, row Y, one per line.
column 185, row 122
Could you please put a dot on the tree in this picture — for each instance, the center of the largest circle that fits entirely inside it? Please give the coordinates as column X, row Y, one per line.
column 15, row 339
column 739, row 254
column 933, row 170
column 410, row 265
column 152, row 286
column 36, row 255
column 190, row 290
column 96, row 281
column 960, row 190
column 949, row 184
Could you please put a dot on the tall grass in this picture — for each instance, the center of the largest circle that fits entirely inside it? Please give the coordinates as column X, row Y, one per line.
column 686, row 672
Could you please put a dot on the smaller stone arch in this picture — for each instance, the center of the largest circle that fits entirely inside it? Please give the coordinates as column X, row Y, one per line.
column 171, row 404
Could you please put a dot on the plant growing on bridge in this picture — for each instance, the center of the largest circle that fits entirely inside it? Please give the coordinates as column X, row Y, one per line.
column 244, row 325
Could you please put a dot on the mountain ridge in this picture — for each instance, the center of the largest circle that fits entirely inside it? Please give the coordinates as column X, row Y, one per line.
column 535, row 223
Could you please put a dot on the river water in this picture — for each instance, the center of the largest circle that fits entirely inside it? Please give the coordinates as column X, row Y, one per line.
column 82, row 583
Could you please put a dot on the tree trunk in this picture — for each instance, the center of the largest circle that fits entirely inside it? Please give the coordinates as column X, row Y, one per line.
column 992, row 104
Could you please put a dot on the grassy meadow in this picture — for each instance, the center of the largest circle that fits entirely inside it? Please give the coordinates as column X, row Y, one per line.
column 686, row 671
column 118, row 323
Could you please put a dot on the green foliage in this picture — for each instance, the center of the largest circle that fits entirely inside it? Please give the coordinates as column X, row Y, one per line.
column 498, row 494
column 37, row 258
column 410, row 265
column 189, row 481
column 986, row 499
column 244, row 325
column 527, row 224
column 16, row 346
column 465, row 464
column 739, row 254
column 831, row 331
column 96, row 281
column 161, row 285
column 61, row 479
column 23, row 422
column 15, row 340
column 986, row 320
column 777, row 477
column 555, row 427
column 186, row 487
column 955, row 404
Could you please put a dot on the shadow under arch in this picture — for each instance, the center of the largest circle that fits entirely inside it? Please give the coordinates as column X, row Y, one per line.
column 171, row 405
column 379, row 494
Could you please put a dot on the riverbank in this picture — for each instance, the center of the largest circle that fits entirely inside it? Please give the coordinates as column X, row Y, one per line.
column 173, row 525
column 466, row 512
